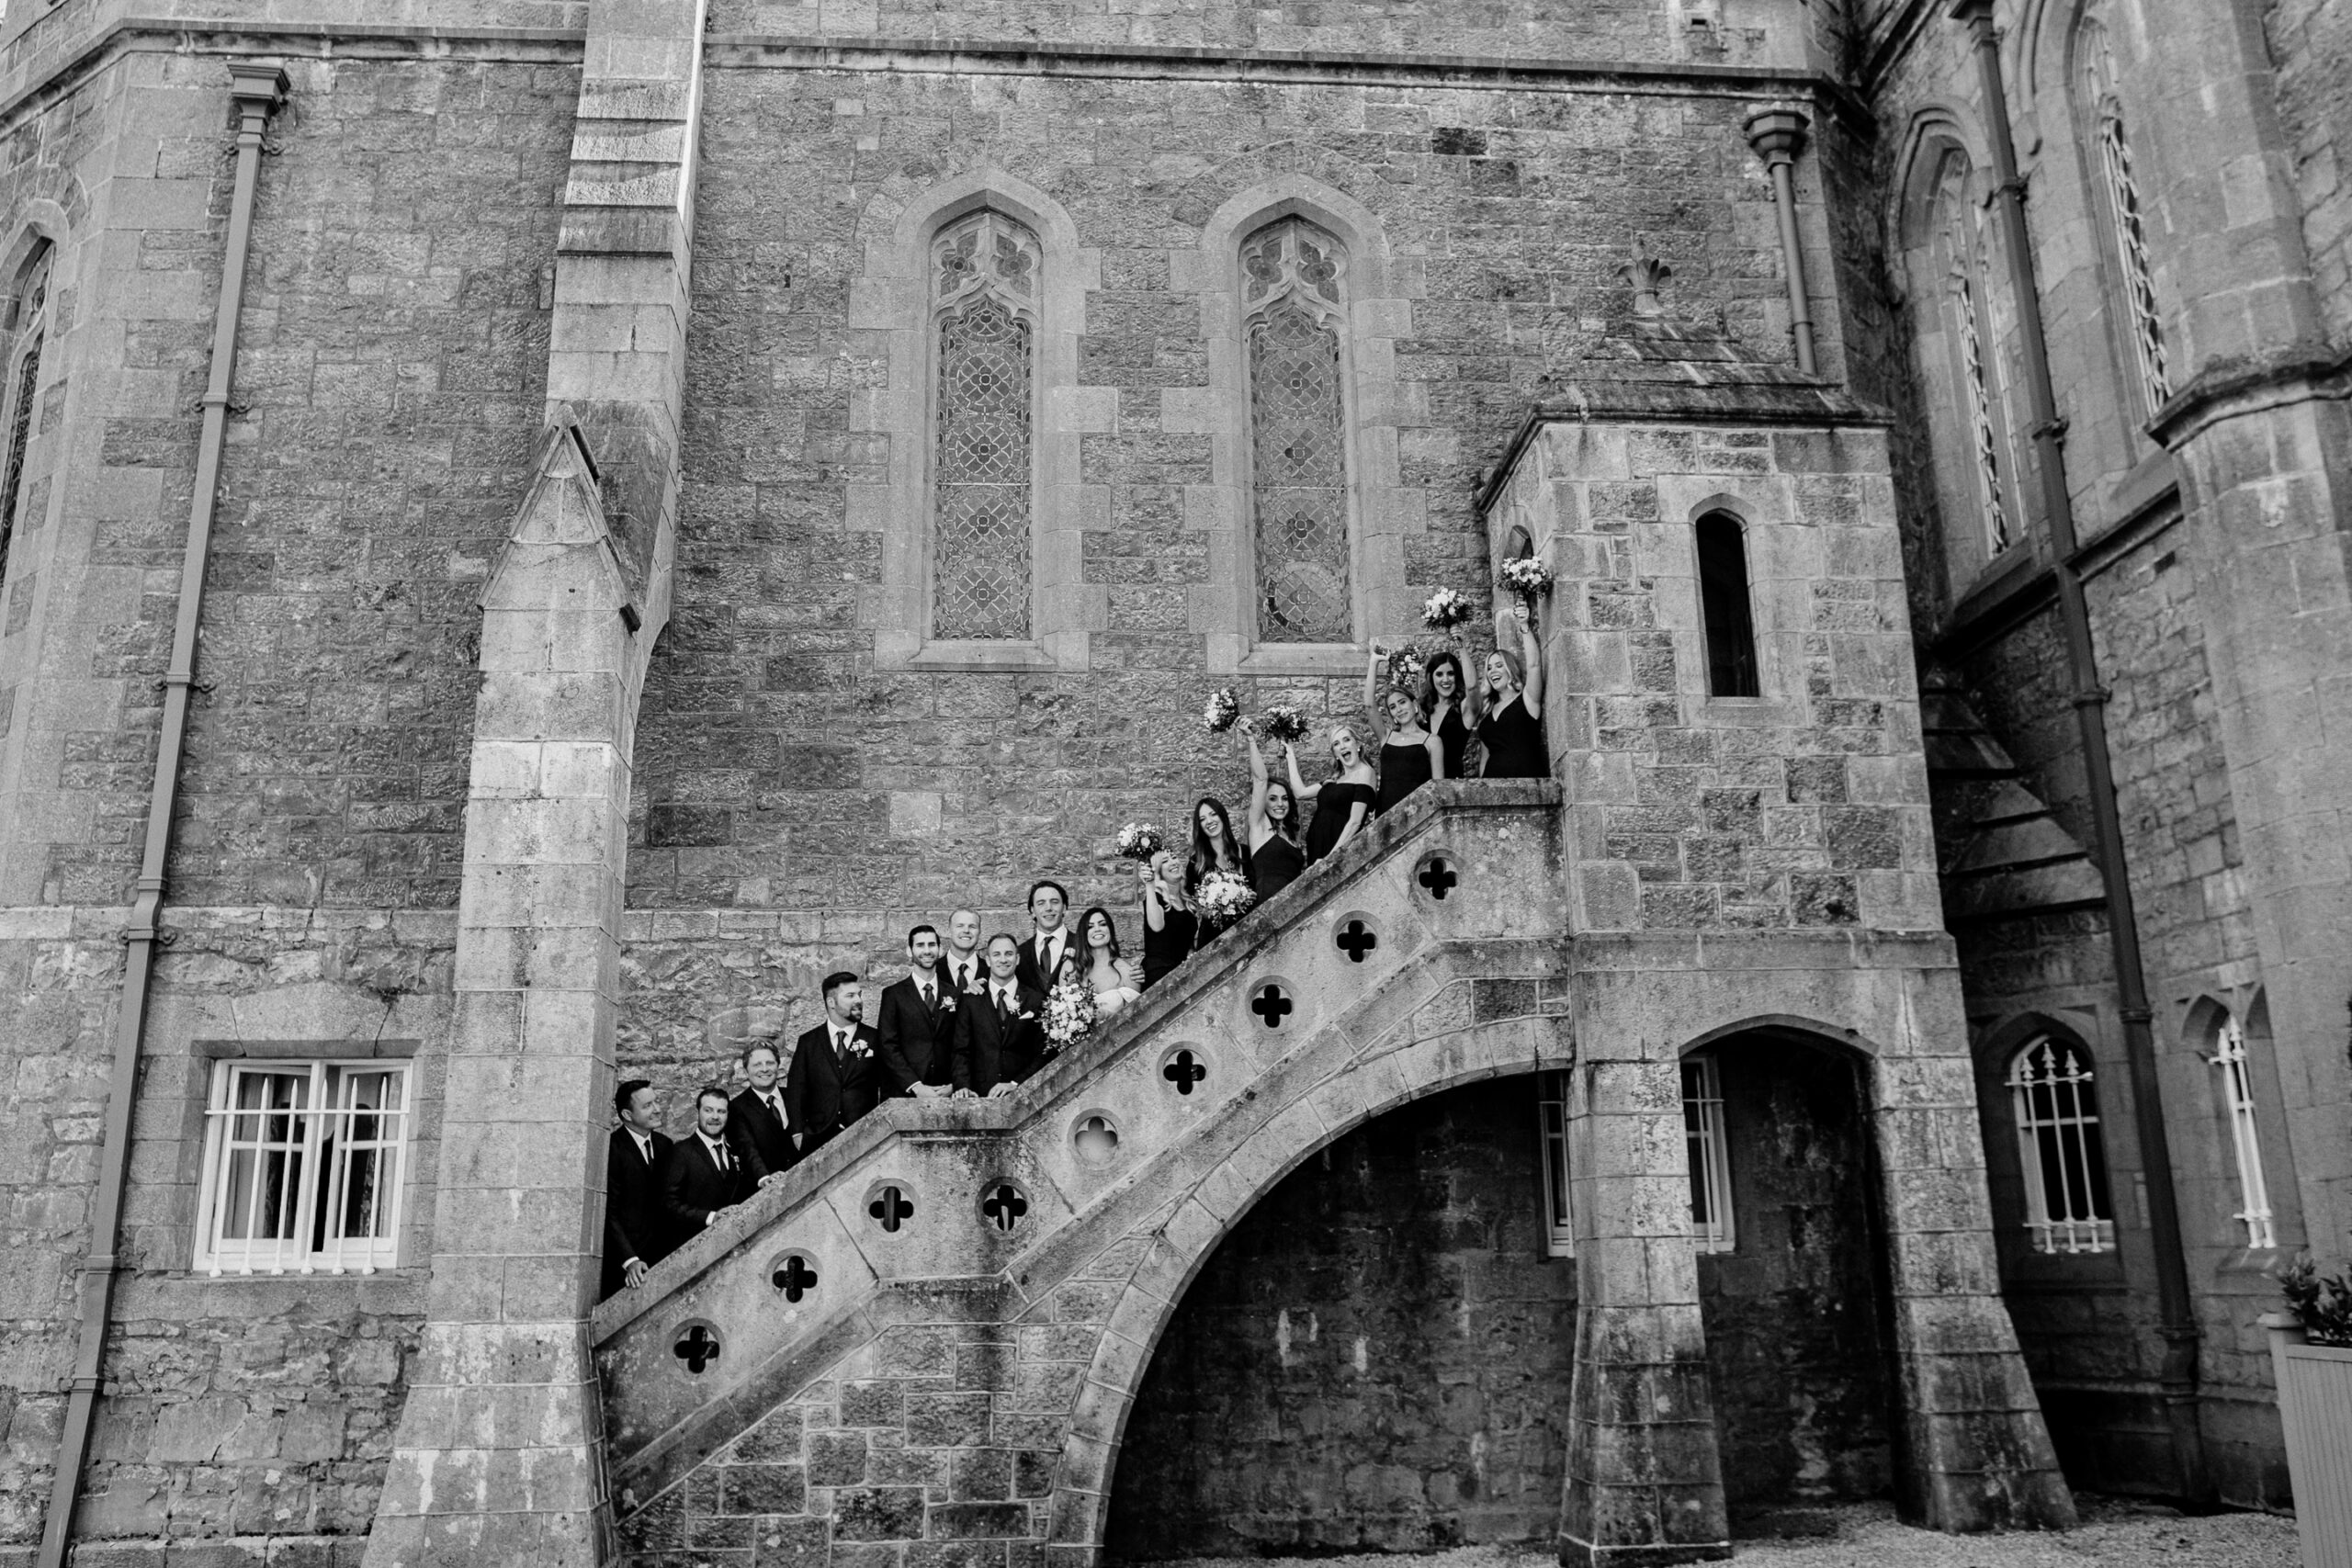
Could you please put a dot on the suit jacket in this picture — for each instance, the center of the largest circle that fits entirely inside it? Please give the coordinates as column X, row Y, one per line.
column 914, row 1043
column 693, row 1188
column 825, row 1094
column 978, row 963
column 988, row 1054
column 637, row 1222
column 762, row 1143
column 1034, row 975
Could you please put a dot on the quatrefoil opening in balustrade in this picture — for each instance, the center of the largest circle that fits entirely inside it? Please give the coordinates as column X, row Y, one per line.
column 697, row 1346
column 1273, row 1005
column 1184, row 1069
column 1436, row 877
column 1096, row 1138
column 1002, row 1205
column 891, row 1205
column 794, row 1275
column 1356, row 937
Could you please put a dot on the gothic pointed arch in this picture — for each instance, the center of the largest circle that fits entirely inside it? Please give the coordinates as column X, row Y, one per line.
column 1302, row 547
column 985, row 274
column 26, row 330
column 2118, row 212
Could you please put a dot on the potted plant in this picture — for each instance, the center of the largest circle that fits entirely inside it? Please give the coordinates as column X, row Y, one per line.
column 2311, row 1356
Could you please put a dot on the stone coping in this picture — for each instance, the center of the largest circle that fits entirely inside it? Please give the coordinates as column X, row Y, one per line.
column 975, row 1117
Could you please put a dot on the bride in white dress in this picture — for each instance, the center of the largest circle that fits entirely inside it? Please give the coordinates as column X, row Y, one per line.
column 1116, row 981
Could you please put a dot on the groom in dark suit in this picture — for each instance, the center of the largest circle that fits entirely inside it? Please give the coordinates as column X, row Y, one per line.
column 999, row 1034
column 834, row 1079
column 1042, row 954
column 702, row 1176
column 636, row 1226
column 915, row 1023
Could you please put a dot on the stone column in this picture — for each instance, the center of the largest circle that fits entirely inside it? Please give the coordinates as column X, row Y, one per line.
column 1645, row 1483
column 499, row 1458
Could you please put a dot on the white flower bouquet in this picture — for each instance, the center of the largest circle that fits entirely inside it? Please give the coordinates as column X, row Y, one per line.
column 1141, row 841
column 1405, row 666
column 1527, row 577
column 1222, row 897
column 1446, row 609
column 1222, row 709
column 1282, row 725
column 1069, row 1014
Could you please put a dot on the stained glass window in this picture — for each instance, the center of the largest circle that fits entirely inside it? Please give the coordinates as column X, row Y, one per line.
column 1298, row 441
column 23, row 386
column 984, row 273
column 2127, row 232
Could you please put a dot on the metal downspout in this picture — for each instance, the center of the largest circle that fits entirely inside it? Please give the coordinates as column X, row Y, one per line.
column 1778, row 135
column 2175, row 1310
column 256, row 89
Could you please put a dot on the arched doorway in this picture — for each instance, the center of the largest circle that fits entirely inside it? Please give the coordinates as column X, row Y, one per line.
column 1793, row 1281
column 1378, row 1354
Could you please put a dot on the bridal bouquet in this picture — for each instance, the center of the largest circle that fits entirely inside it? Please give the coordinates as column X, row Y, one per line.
column 1405, row 666
column 1223, row 709
column 1527, row 577
column 1446, row 609
column 1282, row 725
column 1222, row 897
column 1069, row 1014
column 1141, row 841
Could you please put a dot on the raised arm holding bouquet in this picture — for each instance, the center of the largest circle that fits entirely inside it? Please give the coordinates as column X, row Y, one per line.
column 1343, row 803
column 1276, row 855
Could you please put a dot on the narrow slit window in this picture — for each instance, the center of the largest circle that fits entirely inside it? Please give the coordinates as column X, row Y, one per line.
column 2056, row 1100
column 22, row 390
column 2126, row 226
column 1724, row 611
column 2229, row 1060
column 985, row 280
column 1709, row 1156
column 1552, row 1128
column 303, row 1166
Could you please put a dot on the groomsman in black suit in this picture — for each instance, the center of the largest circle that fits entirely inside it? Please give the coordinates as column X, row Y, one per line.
column 834, row 1077
column 1041, row 956
column 916, row 1018
column 964, row 963
column 1000, row 1033
column 756, row 1129
column 703, row 1177
column 637, row 1225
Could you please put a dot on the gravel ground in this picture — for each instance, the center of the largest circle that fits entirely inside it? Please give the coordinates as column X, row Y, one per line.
column 2123, row 1534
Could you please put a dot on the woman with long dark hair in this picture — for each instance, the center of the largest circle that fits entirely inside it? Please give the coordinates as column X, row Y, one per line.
column 1116, row 981
column 1512, row 731
column 1449, row 710
column 1276, row 855
column 1214, row 847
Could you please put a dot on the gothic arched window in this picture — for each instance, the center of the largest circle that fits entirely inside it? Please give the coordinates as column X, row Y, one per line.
column 1726, row 618
column 2102, row 113
column 1961, row 247
column 984, row 271
column 1291, row 273
column 2055, row 1103
column 2236, row 1086
column 22, row 388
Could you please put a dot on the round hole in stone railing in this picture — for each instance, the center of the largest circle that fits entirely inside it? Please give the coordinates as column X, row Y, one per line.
column 1184, row 1069
column 1002, row 1205
column 696, row 1344
column 1355, row 936
column 890, row 1205
column 1436, row 876
column 1273, row 1005
column 794, row 1275
column 1096, row 1137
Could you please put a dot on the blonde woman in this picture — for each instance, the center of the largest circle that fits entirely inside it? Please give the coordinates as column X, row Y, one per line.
column 1343, row 801
column 1513, row 730
column 1170, row 926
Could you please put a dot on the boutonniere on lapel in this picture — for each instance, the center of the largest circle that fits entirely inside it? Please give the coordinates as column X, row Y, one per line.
column 858, row 1047
column 947, row 1001
column 1027, row 1018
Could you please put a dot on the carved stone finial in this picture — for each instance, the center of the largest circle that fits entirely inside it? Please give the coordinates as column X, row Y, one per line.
column 1646, row 274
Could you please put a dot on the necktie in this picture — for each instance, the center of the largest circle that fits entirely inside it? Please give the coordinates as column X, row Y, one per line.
column 726, row 1166
column 1003, row 1013
column 841, row 1043
column 929, row 1001
column 775, row 1109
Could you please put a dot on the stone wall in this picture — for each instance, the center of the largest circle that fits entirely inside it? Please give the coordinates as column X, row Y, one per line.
column 1377, row 1357
column 2310, row 46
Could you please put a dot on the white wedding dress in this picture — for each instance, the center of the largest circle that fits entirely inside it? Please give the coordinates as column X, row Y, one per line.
column 1108, row 1003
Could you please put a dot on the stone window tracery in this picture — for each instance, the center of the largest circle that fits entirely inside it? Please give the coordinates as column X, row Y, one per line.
column 2055, row 1100
column 2119, row 197
column 985, row 277
column 22, row 390
column 1291, row 276
column 2229, row 1059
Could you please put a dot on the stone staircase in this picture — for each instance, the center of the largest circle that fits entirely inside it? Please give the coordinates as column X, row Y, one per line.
column 932, row 1330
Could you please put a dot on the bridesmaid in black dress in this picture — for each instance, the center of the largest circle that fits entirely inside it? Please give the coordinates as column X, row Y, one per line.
column 1513, row 730
column 1343, row 803
column 1409, row 756
column 1449, row 711
column 1170, row 927
column 1275, row 854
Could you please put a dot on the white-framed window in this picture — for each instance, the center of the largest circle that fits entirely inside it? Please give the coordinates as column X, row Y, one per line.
column 1702, row 1132
column 2237, row 1103
column 303, row 1166
column 1552, row 1125
column 2061, row 1148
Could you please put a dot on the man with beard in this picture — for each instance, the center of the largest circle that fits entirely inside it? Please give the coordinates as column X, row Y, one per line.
column 834, row 1079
